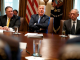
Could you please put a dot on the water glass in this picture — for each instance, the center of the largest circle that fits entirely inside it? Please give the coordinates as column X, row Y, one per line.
column 36, row 48
column 16, row 29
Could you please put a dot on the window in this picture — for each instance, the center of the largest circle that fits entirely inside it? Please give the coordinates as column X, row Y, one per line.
column 77, row 6
column 13, row 3
column 9, row 3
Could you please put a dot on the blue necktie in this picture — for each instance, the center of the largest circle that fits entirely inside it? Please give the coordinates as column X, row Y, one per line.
column 39, row 19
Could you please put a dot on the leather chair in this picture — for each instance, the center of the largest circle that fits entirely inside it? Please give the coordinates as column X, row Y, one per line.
column 61, row 26
column 50, row 27
column 23, row 25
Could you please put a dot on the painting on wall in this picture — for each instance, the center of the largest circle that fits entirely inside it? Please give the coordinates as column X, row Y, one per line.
column 56, row 13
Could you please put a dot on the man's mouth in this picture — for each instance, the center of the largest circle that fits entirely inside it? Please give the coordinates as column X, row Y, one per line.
column 41, row 12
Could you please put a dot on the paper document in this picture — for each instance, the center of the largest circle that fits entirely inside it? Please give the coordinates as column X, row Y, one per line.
column 63, row 35
column 1, row 31
column 30, row 34
column 73, row 36
column 34, row 58
column 34, row 35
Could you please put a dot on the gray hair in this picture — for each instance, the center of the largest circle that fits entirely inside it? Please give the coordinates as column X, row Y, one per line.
column 76, row 11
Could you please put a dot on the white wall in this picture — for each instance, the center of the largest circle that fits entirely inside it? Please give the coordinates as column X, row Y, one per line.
column 14, row 5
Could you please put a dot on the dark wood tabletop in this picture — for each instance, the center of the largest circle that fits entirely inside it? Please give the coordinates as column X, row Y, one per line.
column 50, row 45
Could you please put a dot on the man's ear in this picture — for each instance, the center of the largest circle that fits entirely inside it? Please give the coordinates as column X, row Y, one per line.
column 77, row 15
column 5, row 12
column 37, row 11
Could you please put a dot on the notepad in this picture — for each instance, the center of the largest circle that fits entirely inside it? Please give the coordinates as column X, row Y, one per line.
column 34, row 35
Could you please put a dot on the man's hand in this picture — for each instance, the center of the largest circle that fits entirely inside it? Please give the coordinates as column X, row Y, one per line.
column 6, row 28
column 34, row 23
column 1, row 27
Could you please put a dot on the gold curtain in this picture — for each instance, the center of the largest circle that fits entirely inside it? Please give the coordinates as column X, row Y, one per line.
column 22, row 13
column 67, row 6
column 22, row 8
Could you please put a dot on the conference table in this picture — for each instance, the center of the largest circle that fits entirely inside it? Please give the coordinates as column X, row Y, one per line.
column 50, row 45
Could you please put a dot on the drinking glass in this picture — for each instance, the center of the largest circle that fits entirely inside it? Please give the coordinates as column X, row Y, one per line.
column 63, row 32
column 36, row 48
column 16, row 29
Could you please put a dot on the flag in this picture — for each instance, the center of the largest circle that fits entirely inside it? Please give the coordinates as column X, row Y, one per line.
column 32, row 6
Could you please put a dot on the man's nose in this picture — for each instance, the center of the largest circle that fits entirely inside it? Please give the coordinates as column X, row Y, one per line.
column 72, row 15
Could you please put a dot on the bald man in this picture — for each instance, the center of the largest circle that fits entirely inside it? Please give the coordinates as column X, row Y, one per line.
column 68, row 24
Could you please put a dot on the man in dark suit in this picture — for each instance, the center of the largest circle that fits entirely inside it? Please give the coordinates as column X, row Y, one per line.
column 72, row 26
column 15, row 12
column 9, row 20
column 39, row 22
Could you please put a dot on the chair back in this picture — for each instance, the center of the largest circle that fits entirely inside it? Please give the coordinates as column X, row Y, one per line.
column 23, row 26
column 22, row 23
column 50, row 27
column 61, row 26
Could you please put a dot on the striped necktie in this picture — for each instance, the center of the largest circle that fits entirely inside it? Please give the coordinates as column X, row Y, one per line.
column 8, row 22
column 39, row 19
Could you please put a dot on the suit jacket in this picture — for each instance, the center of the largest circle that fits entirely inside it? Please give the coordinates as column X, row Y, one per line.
column 67, row 27
column 43, row 24
column 14, row 21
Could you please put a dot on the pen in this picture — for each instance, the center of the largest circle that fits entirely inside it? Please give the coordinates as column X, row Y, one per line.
column 28, row 52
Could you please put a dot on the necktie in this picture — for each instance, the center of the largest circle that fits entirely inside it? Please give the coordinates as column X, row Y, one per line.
column 73, row 28
column 39, row 19
column 8, row 22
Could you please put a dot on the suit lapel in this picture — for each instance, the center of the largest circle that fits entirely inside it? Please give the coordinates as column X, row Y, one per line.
column 5, row 21
column 69, row 25
column 42, row 19
column 37, row 17
column 78, row 24
column 11, row 21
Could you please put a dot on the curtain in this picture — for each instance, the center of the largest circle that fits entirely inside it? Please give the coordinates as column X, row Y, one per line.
column 67, row 6
column 2, row 7
column 22, row 13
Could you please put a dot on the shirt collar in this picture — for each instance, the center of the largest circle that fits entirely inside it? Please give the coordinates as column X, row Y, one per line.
column 40, row 16
column 7, row 17
column 73, row 21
